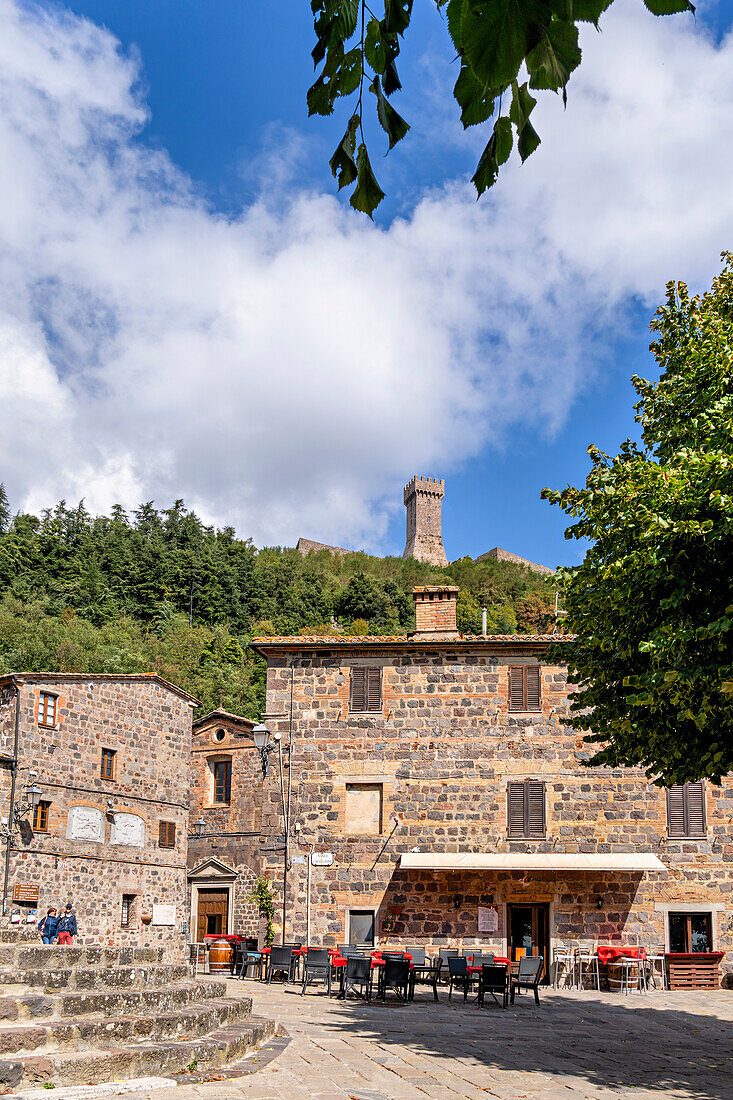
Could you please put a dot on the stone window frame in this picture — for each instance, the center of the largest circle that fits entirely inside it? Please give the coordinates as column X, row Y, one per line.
column 127, row 911
column 682, row 906
column 373, row 909
column 353, row 781
column 211, row 760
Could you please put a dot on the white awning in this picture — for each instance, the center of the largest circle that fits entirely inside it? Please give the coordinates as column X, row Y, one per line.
column 532, row 861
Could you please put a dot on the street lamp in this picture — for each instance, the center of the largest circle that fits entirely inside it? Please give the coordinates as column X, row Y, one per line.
column 264, row 746
column 198, row 827
column 33, row 794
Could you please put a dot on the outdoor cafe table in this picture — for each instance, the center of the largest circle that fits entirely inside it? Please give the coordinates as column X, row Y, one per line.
column 499, row 960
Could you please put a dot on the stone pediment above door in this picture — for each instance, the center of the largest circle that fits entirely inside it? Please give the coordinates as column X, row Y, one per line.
column 213, row 870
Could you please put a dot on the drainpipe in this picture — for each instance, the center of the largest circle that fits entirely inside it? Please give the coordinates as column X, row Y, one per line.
column 13, row 773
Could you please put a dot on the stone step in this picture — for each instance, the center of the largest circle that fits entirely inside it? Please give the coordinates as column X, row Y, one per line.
column 91, row 1032
column 48, row 956
column 38, row 1006
column 113, row 1063
column 88, row 978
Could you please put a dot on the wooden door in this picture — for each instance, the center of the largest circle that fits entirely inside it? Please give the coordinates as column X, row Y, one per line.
column 213, row 913
column 528, row 928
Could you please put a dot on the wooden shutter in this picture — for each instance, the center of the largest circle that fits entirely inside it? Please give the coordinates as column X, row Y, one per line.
column 358, row 689
column 167, row 834
column 516, row 688
column 694, row 798
column 535, row 808
column 676, row 811
column 532, row 687
column 373, row 688
column 515, row 809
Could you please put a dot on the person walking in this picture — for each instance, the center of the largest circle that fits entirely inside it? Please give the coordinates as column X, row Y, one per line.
column 48, row 926
column 67, row 925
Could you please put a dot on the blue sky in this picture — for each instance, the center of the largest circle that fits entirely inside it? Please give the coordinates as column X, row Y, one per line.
column 544, row 291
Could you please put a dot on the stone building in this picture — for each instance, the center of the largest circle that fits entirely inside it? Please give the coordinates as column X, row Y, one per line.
column 447, row 804
column 108, row 758
column 226, row 799
column 424, row 504
column 497, row 554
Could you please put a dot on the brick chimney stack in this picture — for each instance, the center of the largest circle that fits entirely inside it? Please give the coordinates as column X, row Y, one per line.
column 435, row 612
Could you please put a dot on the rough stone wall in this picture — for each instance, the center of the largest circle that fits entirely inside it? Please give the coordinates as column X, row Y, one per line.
column 149, row 728
column 444, row 747
column 423, row 500
column 306, row 546
column 497, row 554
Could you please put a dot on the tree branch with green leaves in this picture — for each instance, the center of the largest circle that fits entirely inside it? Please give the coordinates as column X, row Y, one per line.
column 507, row 49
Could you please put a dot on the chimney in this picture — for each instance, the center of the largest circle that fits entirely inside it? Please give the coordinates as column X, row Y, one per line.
column 435, row 613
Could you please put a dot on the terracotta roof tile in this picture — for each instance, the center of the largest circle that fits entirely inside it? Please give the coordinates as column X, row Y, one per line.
column 375, row 639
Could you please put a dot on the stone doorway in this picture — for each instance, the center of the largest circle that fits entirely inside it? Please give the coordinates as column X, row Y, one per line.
column 528, row 932
column 213, row 913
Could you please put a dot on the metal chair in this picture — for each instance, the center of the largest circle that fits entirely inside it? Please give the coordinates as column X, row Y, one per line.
column 281, row 962
column 459, row 975
column 396, row 975
column 428, row 974
column 317, row 967
column 493, row 979
column 585, row 955
column 250, row 956
column 198, row 956
column 444, row 954
column 418, row 955
column 358, row 972
column 528, row 976
column 655, row 957
column 563, row 955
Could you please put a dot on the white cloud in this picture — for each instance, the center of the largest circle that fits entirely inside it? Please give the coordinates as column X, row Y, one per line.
column 286, row 370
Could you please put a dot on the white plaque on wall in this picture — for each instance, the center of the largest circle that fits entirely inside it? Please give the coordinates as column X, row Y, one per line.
column 488, row 919
column 128, row 829
column 85, row 823
column 164, row 914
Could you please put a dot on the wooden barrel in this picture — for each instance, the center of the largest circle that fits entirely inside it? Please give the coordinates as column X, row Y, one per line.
column 221, row 956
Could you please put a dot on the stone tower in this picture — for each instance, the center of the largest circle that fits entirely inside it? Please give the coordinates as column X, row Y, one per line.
column 423, row 501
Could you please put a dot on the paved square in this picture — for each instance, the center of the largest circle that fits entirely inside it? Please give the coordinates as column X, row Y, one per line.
column 576, row 1045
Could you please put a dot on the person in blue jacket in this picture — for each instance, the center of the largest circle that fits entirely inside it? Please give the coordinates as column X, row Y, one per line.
column 48, row 926
column 67, row 925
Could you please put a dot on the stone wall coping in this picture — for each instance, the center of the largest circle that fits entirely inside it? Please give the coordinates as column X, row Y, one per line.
column 97, row 677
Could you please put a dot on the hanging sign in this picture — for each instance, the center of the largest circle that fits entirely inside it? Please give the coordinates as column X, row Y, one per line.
column 322, row 859
column 488, row 918
column 25, row 892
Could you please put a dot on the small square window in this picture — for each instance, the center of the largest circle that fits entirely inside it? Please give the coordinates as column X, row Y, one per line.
column 47, row 710
column 108, row 763
column 364, row 808
column 361, row 927
column 525, row 685
column 40, row 817
column 167, row 834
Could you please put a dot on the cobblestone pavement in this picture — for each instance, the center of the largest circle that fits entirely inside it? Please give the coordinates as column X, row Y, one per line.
column 575, row 1046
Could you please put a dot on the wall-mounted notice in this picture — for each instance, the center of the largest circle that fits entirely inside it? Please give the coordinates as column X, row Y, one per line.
column 164, row 914
column 488, row 918
column 322, row 859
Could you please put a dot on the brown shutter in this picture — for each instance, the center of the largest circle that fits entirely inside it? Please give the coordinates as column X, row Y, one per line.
column 161, row 834
column 535, row 820
column 516, row 688
column 532, row 687
column 373, row 689
column 358, row 689
column 694, row 798
column 676, row 811
column 515, row 809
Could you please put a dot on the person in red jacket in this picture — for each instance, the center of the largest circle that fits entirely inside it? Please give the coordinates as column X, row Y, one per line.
column 67, row 925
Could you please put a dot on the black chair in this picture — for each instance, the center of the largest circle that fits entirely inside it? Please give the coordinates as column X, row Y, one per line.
column 281, row 962
column 528, row 976
column 494, row 980
column 358, row 972
column 426, row 975
column 418, row 955
column 459, row 975
column 480, row 960
column 250, row 956
column 396, row 975
column 317, row 967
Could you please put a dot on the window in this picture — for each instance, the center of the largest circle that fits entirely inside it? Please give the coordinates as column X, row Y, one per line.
column 526, row 809
column 128, row 906
column 40, row 817
column 690, row 933
column 366, row 689
column 686, row 810
column 108, row 764
column 361, row 927
column 524, row 687
column 222, row 781
column 364, row 808
column 46, row 709
column 167, row 834
column 220, row 735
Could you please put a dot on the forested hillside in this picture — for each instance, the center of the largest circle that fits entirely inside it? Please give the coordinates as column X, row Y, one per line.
column 159, row 591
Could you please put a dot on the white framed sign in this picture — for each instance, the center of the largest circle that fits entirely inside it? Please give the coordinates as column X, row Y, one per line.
column 322, row 859
column 164, row 914
column 488, row 918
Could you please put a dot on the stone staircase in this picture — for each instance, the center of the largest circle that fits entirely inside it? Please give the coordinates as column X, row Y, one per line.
column 76, row 1015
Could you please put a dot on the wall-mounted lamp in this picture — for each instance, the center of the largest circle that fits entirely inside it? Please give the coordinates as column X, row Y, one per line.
column 264, row 746
column 198, row 827
column 32, row 796
column 599, row 902
column 457, row 901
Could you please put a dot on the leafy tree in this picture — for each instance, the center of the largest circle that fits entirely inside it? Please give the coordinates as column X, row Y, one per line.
column 497, row 41
column 651, row 604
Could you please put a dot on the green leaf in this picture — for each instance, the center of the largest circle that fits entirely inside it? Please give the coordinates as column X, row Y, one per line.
column 475, row 107
column 367, row 194
column 553, row 59
column 455, row 17
column 392, row 123
column 529, row 139
column 589, row 11
column 397, row 15
column 342, row 162
column 374, row 48
column 495, row 154
column 319, row 98
column 503, row 138
column 522, row 105
column 668, row 7
column 350, row 72
column 496, row 36
column 346, row 20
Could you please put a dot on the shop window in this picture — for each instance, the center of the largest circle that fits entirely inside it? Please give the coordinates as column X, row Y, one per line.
column 690, row 933
column 686, row 810
column 128, row 909
column 47, row 710
column 526, row 809
column 524, row 687
column 167, row 834
column 40, row 817
column 366, row 689
column 364, row 808
column 222, row 772
column 361, row 927
column 108, row 764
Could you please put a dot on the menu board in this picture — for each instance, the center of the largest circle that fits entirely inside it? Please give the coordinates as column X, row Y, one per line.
column 488, row 918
